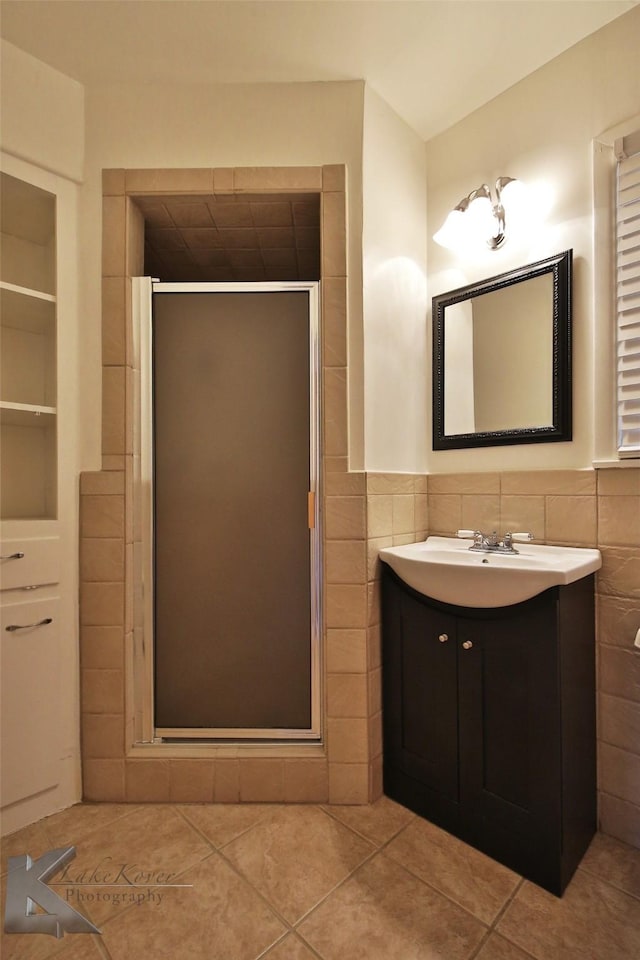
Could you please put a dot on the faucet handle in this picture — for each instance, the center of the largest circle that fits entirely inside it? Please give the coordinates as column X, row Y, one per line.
column 521, row 537
column 467, row 534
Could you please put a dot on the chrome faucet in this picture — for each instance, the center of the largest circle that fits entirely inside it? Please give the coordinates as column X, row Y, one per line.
column 491, row 542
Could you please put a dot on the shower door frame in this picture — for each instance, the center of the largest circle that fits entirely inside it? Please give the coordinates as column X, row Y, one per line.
column 143, row 686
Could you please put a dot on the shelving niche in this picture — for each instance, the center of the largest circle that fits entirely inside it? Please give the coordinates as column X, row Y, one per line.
column 28, row 351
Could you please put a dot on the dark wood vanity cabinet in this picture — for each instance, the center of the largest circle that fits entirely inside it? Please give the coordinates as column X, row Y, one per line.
column 489, row 722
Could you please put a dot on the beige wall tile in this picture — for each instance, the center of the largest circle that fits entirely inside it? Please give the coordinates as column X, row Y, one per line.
column 390, row 483
column 103, row 735
column 618, row 482
column 346, row 695
column 103, row 780
column 379, row 516
column 420, row 483
column 421, row 513
column 348, row 740
column 445, row 513
column 620, row 572
column 178, row 180
column 306, row 781
column 191, row 781
column 102, row 604
column 102, row 483
column 113, row 406
column 373, row 561
column 374, row 647
column 114, row 336
column 403, row 513
column 335, row 417
column 348, row 783
column 346, row 561
column 346, row 651
column 334, row 176
column 223, row 180
column 262, row 781
column 335, row 465
column 334, row 322
column 102, row 691
column 147, row 781
column 375, row 779
column 267, row 179
column 619, row 772
column 619, row 722
column 473, row 483
column 558, row 482
column 619, row 672
column 620, row 819
column 571, row 520
column 113, row 237
column 345, row 518
column 481, row 512
column 102, row 559
column 226, row 781
column 134, row 256
column 522, row 515
column 102, row 648
column 102, row 516
column 618, row 620
column 110, row 462
column 373, row 603
column 343, row 484
column 375, row 735
column 619, row 520
column 374, row 688
column 112, row 183
column 346, row 605
column 334, row 235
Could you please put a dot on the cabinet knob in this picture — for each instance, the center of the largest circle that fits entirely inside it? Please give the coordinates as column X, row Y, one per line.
column 443, row 638
column 467, row 645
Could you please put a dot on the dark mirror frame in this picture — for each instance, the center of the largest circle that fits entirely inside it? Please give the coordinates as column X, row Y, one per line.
column 560, row 267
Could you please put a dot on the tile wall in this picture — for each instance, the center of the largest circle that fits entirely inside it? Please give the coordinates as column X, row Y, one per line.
column 583, row 508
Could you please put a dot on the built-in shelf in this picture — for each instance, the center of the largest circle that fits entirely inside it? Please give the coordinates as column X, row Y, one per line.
column 28, row 380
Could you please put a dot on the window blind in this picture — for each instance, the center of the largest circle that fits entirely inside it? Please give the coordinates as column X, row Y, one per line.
column 627, row 151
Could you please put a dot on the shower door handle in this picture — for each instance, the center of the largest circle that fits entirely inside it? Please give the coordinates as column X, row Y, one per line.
column 311, row 509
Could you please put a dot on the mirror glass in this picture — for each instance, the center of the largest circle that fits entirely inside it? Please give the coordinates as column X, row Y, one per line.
column 502, row 358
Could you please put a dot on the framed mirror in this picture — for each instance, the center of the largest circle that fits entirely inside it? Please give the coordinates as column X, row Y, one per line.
column 502, row 358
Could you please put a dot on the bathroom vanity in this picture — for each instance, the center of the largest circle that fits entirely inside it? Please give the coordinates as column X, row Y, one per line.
column 489, row 722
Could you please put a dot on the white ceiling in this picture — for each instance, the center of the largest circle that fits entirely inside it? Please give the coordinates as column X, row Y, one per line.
column 433, row 62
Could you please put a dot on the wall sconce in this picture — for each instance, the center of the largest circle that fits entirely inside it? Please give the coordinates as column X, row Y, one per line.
column 478, row 219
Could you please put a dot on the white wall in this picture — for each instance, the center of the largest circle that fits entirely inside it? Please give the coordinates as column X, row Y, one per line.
column 395, row 331
column 219, row 126
column 540, row 131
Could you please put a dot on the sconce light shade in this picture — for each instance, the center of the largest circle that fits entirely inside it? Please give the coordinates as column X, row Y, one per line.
column 479, row 219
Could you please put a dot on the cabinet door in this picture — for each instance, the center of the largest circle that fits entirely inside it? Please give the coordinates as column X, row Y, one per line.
column 509, row 726
column 420, row 708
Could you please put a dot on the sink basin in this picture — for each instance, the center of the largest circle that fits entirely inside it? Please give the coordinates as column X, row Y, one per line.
column 443, row 568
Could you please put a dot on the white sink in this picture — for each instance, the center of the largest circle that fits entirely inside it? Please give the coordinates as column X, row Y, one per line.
column 445, row 569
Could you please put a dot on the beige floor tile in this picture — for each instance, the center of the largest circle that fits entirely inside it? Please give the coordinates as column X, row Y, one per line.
column 223, row 822
column 70, row 825
column 382, row 912
column 219, row 918
column 291, row 948
column 468, row 877
column 377, row 822
column 152, row 844
column 615, row 862
column 32, row 840
column 497, row 948
column 296, row 856
column 592, row 920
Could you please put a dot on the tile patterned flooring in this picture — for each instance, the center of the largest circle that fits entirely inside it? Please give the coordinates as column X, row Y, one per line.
column 274, row 882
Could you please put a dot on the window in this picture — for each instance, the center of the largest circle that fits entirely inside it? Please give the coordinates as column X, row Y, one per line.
column 627, row 150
